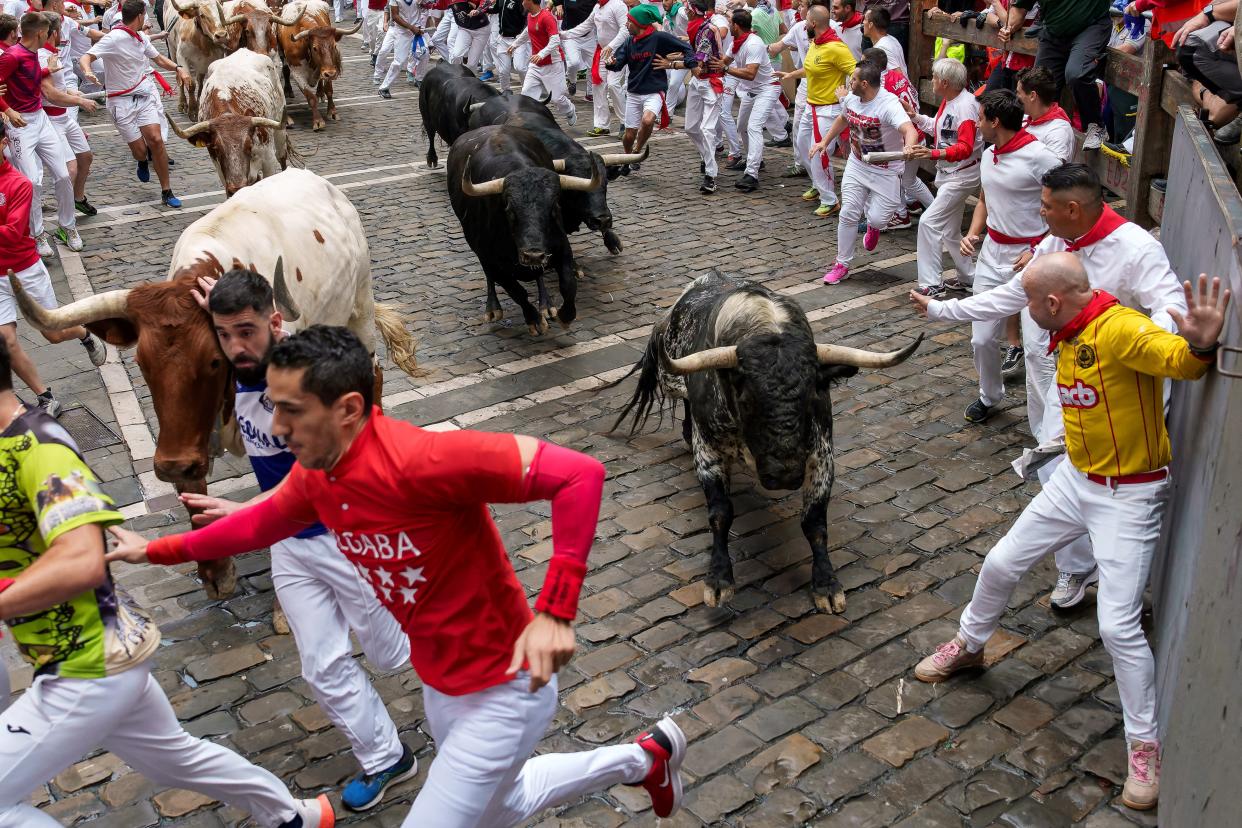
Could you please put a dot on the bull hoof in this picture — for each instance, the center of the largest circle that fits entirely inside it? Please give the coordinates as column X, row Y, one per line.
column 539, row 328
column 433, row 163
column 220, row 584
column 318, row 126
column 717, row 596
column 333, row 116
column 612, row 242
column 579, row 273
column 830, row 603
column 494, row 315
column 279, row 622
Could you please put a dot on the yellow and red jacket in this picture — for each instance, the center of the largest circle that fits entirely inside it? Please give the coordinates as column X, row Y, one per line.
column 1109, row 370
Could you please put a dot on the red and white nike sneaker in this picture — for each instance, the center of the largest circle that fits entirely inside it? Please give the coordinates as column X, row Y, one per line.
column 667, row 746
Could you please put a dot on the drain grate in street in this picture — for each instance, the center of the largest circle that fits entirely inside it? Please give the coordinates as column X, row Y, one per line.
column 87, row 430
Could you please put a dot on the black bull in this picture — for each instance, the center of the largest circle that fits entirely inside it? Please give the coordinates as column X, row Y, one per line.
column 506, row 191
column 577, row 208
column 755, row 387
column 444, row 99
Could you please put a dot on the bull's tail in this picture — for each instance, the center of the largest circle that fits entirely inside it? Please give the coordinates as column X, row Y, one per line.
column 400, row 343
column 649, row 393
column 293, row 158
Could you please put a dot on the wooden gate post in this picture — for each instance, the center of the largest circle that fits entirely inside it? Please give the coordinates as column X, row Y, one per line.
column 1153, row 135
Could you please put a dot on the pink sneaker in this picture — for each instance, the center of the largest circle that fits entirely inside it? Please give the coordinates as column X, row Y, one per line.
column 871, row 239
column 838, row 273
column 1142, row 788
column 949, row 657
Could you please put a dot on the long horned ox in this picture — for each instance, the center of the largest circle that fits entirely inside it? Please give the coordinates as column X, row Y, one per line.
column 253, row 25
column 242, row 111
column 196, row 38
column 505, row 189
column 312, row 59
column 295, row 228
column 755, row 387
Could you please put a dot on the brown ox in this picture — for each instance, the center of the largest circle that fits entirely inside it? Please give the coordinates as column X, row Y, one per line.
column 196, row 38
column 253, row 25
column 294, row 222
column 312, row 59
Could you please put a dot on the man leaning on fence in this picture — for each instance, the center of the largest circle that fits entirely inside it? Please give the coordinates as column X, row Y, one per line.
column 1110, row 363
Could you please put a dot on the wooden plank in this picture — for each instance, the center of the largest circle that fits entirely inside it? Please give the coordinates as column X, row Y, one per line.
column 921, row 48
column 1114, row 175
column 1175, row 92
column 1123, row 71
column 939, row 26
column 1153, row 135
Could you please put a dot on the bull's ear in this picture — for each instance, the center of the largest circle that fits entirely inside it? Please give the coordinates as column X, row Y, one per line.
column 117, row 331
column 201, row 140
column 828, row 374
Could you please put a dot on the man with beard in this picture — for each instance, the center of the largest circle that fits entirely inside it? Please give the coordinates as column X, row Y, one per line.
column 323, row 596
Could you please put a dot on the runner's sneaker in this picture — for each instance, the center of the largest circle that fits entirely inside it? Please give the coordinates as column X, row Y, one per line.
column 784, row 142
column 571, row 87
column 747, row 183
column 596, row 132
column 827, row 210
column 69, row 238
column 1142, row 787
column 1013, row 363
column 795, row 170
column 1072, row 587
column 489, row 75
column 977, row 412
column 949, row 657
column 735, row 163
column 85, row 207
column 312, row 813
column 708, row 186
column 94, row 349
column 810, row 195
column 144, row 172
column 1095, row 137
column 365, row 791
column 169, row 199
column 667, row 746
column 50, row 405
column 932, row 291
column 900, row 222
column 914, row 207
column 384, row 93
column 871, row 239
column 956, row 284
column 572, row 120
column 838, row 273
column 42, row 246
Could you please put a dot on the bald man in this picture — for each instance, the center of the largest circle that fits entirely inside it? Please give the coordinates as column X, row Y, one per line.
column 1114, row 487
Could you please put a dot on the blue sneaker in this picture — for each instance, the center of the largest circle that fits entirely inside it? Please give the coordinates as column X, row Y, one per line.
column 489, row 75
column 365, row 791
column 169, row 199
column 144, row 172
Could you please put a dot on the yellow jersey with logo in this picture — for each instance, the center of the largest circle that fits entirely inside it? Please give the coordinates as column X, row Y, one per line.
column 1109, row 378
column 828, row 66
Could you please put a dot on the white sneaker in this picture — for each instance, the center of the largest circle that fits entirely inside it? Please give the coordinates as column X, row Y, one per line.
column 70, row 238
column 572, row 117
column 43, row 245
column 95, row 349
column 1095, row 137
column 1072, row 587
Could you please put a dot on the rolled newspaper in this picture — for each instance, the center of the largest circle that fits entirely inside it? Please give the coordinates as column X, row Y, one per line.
column 881, row 157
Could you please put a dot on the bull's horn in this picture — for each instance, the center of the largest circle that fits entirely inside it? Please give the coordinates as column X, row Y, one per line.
column 841, row 355
column 188, row 134
column 495, row 186
column 614, row 158
column 256, row 121
column 284, row 301
column 558, row 164
column 709, row 360
column 345, row 32
column 237, row 18
column 220, row 9
column 301, row 35
column 475, row 107
column 179, row 9
column 583, row 185
column 282, row 22
column 109, row 305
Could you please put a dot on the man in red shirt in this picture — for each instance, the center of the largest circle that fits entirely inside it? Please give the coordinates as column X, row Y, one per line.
column 34, row 140
column 409, row 508
column 546, row 71
column 20, row 260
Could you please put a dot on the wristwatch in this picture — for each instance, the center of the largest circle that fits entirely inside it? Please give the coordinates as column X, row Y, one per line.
column 1207, row 12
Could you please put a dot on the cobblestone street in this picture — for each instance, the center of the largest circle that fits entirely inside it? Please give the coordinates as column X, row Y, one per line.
column 795, row 717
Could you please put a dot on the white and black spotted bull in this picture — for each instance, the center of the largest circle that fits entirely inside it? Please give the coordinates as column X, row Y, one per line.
column 755, row 387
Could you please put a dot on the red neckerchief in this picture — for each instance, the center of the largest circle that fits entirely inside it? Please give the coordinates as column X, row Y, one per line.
column 738, row 41
column 1054, row 113
column 1019, row 140
column 826, row 36
column 1101, row 301
column 856, row 20
column 125, row 28
column 643, row 30
column 1104, row 226
column 692, row 28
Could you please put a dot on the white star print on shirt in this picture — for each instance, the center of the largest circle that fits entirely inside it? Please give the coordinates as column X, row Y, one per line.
column 413, row 576
column 385, row 591
column 384, row 575
column 407, row 594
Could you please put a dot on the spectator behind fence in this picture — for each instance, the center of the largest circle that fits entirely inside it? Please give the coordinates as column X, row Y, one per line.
column 1074, row 36
column 1206, row 52
column 1130, row 36
column 1005, row 74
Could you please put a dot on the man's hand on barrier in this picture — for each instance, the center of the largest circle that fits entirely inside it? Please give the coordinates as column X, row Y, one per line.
column 1225, row 42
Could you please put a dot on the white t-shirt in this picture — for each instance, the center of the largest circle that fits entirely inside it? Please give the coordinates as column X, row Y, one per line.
column 896, row 55
column 875, row 126
column 16, row 8
column 126, row 60
column 1056, row 134
column 796, row 37
column 852, row 37
column 1012, row 183
column 754, row 50
column 412, row 12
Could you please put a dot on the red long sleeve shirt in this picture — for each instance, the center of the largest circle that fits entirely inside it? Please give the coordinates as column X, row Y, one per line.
column 409, row 509
column 17, row 247
column 20, row 70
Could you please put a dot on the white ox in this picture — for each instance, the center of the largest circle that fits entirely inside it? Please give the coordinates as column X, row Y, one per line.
column 198, row 36
column 241, row 110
